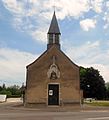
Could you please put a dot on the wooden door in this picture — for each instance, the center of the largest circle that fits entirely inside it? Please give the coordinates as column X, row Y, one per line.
column 53, row 94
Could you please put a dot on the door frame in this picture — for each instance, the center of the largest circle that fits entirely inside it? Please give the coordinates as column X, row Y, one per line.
column 48, row 95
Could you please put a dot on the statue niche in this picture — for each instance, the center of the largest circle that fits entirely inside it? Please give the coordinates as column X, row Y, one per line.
column 53, row 72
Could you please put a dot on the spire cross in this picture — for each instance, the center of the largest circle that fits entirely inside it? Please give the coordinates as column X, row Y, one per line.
column 54, row 7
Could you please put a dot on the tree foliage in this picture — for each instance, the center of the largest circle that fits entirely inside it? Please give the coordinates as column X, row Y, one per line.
column 107, row 90
column 12, row 91
column 92, row 83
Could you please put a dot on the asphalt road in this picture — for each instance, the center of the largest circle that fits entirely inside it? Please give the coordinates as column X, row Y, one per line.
column 36, row 115
column 8, row 112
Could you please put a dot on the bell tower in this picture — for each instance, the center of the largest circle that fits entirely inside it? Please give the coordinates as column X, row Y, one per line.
column 53, row 33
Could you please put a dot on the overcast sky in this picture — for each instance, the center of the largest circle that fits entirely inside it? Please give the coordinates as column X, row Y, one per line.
column 84, row 26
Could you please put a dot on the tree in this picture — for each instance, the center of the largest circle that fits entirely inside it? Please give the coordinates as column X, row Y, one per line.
column 107, row 90
column 4, row 87
column 12, row 91
column 15, row 90
column 1, row 88
column 6, row 92
column 92, row 83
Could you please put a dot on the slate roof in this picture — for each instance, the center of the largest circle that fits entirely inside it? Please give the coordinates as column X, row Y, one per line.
column 54, row 28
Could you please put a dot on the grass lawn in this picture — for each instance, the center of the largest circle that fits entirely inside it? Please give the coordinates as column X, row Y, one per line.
column 97, row 103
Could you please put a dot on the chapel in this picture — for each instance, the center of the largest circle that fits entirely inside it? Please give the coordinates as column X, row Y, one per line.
column 52, row 79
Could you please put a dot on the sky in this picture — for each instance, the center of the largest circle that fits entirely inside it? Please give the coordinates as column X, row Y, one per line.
column 84, row 26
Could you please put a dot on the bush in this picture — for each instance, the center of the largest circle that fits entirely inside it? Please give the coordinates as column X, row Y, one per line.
column 5, row 92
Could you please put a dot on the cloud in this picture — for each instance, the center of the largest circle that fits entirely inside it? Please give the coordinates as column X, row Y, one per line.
column 14, row 6
column 97, row 5
column 33, row 15
column 106, row 19
column 13, row 65
column 106, row 15
column 82, row 51
column 40, row 34
column 72, row 8
column 90, row 54
column 88, row 24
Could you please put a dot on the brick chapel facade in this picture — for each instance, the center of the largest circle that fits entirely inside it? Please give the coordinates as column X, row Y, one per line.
column 52, row 79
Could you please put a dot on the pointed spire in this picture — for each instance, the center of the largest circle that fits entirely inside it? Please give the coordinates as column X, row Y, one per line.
column 53, row 33
column 54, row 28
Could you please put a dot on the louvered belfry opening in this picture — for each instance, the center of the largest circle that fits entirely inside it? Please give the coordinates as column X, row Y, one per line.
column 54, row 33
